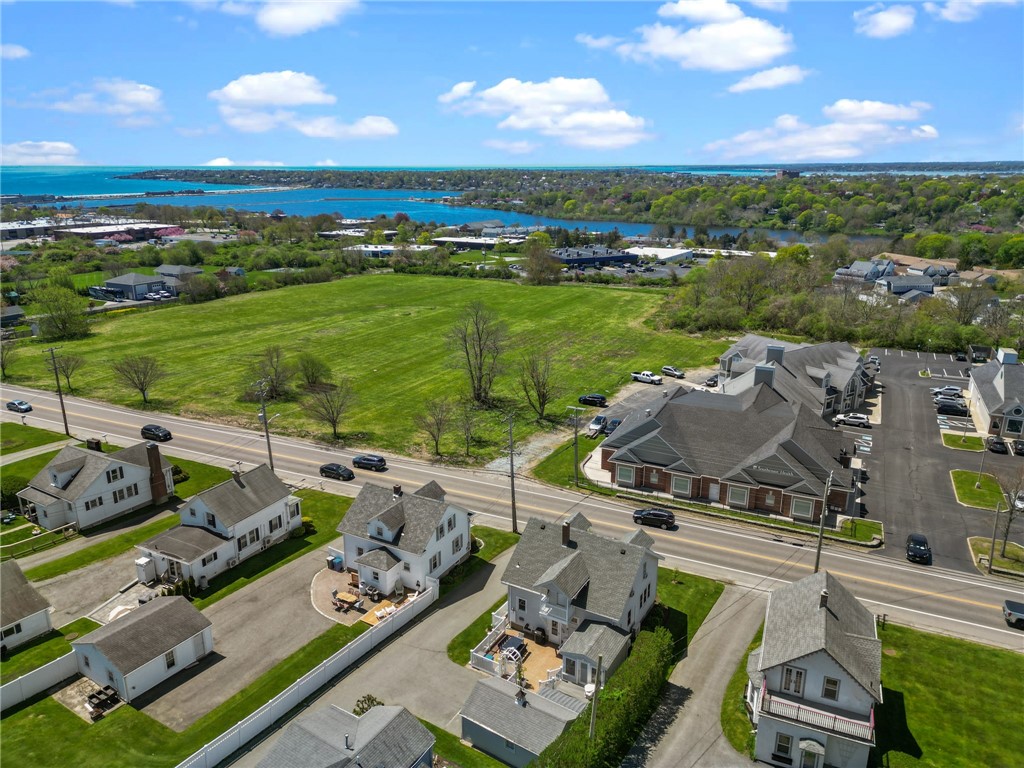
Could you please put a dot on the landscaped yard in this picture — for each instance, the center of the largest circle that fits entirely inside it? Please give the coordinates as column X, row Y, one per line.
column 1013, row 561
column 401, row 322
column 684, row 601
column 985, row 497
column 16, row 437
column 43, row 650
column 968, row 443
column 735, row 722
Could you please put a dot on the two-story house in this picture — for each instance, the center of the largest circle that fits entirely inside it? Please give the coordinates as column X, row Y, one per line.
column 814, row 682
column 581, row 591
column 997, row 394
column 391, row 537
column 221, row 527
column 87, row 487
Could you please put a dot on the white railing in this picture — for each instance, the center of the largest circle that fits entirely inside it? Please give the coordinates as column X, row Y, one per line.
column 38, row 680
column 500, row 616
column 554, row 675
column 858, row 729
column 553, row 611
column 252, row 726
column 478, row 659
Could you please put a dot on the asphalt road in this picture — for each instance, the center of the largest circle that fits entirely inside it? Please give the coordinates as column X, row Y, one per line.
column 934, row 598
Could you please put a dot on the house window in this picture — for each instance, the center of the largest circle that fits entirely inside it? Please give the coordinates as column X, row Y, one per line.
column 793, row 680
column 629, row 617
column 440, row 531
column 211, row 521
column 93, row 503
column 380, row 531
column 457, row 544
column 192, row 513
column 451, row 523
column 783, row 744
column 359, row 551
column 110, row 676
column 435, row 562
column 653, row 476
column 169, row 658
column 645, row 569
column 1014, row 426
column 275, row 523
column 570, row 667
column 118, row 495
column 802, row 509
column 769, row 499
column 521, row 604
column 15, row 630
column 133, row 490
column 406, row 567
column 830, row 690
column 509, row 745
column 85, row 660
column 293, row 511
column 115, row 474
column 376, row 576
column 623, row 475
column 254, row 535
column 681, row 486
column 209, row 559
column 738, row 496
column 242, row 543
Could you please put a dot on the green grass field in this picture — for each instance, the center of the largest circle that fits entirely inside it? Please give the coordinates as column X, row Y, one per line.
column 961, row 442
column 17, row 437
column 43, row 650
column 985, row 497
column 386, row 332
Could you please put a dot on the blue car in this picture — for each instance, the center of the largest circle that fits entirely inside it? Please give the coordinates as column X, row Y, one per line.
column 19, row 405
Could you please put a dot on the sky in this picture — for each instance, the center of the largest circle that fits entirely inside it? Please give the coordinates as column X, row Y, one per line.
column 461, row 83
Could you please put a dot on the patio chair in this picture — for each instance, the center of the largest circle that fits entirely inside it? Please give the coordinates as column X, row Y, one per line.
column 390, row 610
column 381, row 614
column 357, row 605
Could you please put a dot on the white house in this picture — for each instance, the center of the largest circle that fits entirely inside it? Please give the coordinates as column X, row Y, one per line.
column 814, row 682
column 221, row 527
column 582, row 591
column 86, row 487
column 393, row 538
column 24, row 613
column 997, row 394
column 143, row 648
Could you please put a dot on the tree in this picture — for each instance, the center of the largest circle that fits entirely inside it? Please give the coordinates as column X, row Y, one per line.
column 536, row 382
column 66, row 366
column 434, row 420
column 63, row 316
column 467, row 417
column 8, row 350
column 139, row 372
column 1013, row 486
column 935, row 246
column 541, row 267
column 274, row 372
column 365, row 704
column 479, row 338
column 328, row 403
column 314, row 370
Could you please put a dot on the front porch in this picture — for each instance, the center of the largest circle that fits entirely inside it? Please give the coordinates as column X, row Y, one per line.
column 833, row 720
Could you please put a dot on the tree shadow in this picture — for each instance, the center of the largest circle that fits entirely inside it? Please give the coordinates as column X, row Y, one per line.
column 673, row 699
column 892, row 733
column 676, row 622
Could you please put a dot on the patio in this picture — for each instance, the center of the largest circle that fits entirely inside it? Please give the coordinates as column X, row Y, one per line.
column 75, row 697
column 326, row 584
column 539, row 660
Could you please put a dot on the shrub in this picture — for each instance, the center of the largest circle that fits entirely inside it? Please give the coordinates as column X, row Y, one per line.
column 9, row 487
column 178, row 474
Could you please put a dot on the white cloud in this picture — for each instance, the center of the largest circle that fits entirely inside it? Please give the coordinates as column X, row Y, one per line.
column 279, row 89
column 512, row 147
column 881, row 22
column 599, row 43
column 720, row 47
column 12, row 51
column 854, row 131
column 369, row 127
column 701, row 11
column 458, row 91
column 770, row 78
column 328, row 163
column 39, row 153
column 134, row 104
column 221, row 162
column 771, row 5
column 254, row 120
column 297, row 17
column 962, row 10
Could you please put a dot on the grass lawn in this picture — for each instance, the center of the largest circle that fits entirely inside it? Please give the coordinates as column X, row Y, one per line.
column 43, row 650
column 20, row 530
column 360, row 324
column 985, row 497
column 494, row 542
column 735, row 723
column 461, row 647
column 684, row 600
column 324, row 509
column 201, row 477
column 17, row 437
column 454, row 751
column 957, row 440
column 1014, row 560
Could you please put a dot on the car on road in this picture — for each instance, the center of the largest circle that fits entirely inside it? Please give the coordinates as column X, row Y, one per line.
column 952, row 409
column 711, row 381
column 660, row 518
column 675, row 373
column 19, row 405
column 1018, row 447
column 948, row 390
column 599, row 424
column 156, row 432
column 996, row 444
column 594, row 399
column 853, row 420
column 370, row 461
column 1013, row 612
column 337, row 471
column 918, row 550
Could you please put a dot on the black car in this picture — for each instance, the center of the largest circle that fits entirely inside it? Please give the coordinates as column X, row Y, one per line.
column 613, row 424
column 1018, row 447
column 950, row 409
column 594, row 399
column 370, row 461
column 19, row 405
column 918, row 550
column 661, row 518
column 337, row 472
column 712, row 381
column 156, row 432
column 961, row 356
column 996, row 444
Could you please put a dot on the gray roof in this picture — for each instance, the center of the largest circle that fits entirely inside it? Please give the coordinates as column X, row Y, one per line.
column 612, row 565
column 146, row 633
column 1001, row 387
column 12, row 311
column 795, row 627
column 18, row 598
column 244, row 495
column 187, row 543
column 379, row 559
column 568, row 574
column 413, row 516
column 383, row 736
column 177, row 270
column 493, row 705
column 593, row 639
column 134, row 278
column 90, row 465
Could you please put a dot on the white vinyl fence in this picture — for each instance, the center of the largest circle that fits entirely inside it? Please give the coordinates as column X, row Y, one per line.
column 38, row 680
column 252, row 726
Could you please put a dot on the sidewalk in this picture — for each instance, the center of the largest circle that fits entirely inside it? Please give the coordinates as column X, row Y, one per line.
column 56, row 445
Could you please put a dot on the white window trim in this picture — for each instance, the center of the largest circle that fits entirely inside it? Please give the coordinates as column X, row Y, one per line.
column 824, row 687
column 679, row 479
column 621, row 471
column 792, row 508
column 746, row 495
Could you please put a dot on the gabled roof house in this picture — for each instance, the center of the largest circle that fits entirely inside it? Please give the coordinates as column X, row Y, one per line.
column 997, row 394
column 24, row 613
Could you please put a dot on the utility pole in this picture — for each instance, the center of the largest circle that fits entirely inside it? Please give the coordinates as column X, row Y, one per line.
column 261, row 389
column 593, row 703
column 981, row 469
column 512, row 470
column 576, row 442
column 60, row 394
column 821, row 523
column 992, row 549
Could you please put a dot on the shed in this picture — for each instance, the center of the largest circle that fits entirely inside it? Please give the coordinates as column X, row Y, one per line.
column 24, row 613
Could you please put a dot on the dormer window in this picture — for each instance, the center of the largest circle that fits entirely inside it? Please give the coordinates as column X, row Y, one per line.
column 115, row 474
column 380, row 531
column 211, row 521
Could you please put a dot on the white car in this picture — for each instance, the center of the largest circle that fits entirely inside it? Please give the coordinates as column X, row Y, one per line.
column 671, row 370
column 948, row 390
column 1018, row 502
column 853, row 420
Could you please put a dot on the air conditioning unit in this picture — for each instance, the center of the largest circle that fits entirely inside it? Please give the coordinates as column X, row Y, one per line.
column 266, row 541
column 232, row 562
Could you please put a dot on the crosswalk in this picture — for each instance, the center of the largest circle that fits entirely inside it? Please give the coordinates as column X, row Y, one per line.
column 954, row 424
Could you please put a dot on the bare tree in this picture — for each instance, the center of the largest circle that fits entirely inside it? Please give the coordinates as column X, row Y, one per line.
column 467, row 417
column 966, row 299
column 434, row 420
column 479, row 338
column 139, row 372
column 1013, row 486
column 536, row 382
column 328, row 403
column 67, row 366
column 8, row 350
column 274, row 372
column 314, row 370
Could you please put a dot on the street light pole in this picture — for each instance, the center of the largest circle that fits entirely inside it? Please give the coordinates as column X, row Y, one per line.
column 981, row 469
column 992, row 549
column 60, row 394
column 512, row 470
column 576, row 442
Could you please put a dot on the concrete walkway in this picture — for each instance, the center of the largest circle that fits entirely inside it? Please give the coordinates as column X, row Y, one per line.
column 686, row 730
column 413, row 669
column 28, row 453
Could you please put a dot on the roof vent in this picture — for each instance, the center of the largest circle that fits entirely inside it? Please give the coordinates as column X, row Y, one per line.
column 647, row 411
column 346, row 742
column 622, row 551
column 823, row 601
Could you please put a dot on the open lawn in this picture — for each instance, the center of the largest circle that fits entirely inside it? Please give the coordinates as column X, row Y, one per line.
column 43, row 649
column 683, row 602
column 17, row 437
column 460, row 648
column 388, row 334
column 959, row 441
column 985, row 497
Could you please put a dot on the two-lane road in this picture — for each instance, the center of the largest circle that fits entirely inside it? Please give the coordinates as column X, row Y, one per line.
column 964, row 605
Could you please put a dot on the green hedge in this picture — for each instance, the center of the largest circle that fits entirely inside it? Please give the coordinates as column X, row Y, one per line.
column 626, row 703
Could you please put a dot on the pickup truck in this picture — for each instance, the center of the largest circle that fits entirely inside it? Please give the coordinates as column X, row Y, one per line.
column 1013, row 612
column 646, row 377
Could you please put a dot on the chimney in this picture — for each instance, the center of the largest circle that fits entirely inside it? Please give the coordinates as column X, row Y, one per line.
column 774, row 354
column 565, row 534
column 157, row 481
column 764, row 374
column 396, row 491
column 823, row 600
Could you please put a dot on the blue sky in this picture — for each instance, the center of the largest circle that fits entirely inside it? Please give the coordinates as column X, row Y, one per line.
column 373, row 83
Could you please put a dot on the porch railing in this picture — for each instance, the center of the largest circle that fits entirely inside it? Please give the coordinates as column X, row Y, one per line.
column 801, row 713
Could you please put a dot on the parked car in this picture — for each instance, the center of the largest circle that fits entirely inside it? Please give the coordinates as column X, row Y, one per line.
column 874, row 359
column 370, row 461
column 647, row 377
column 1018, row 501
column 612, row 425
column 671, row 370
column 594, row 399
column 19, row 405
column 1013, row 612
column 711, row 381
column 8, row 518
column 949, row 389
column 940, row 399
column 165, row 294
column 661, row 518
column 337, row 472
column 961, row 357
column 1018, row 447
column 156, row 432
column 918, row 550
column 996, row 444
column 152, row 297
column 853, row 420
column 598, row 424
column 952, row 409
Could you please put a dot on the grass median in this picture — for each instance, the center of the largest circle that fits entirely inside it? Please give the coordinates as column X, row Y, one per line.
column 962, row 442
column 971, row 491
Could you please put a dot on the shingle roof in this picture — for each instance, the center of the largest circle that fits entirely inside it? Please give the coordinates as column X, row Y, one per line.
column 187, row 543
column 18, row 598
column 90, row 465
column 1001, row 387
column 493, row 705
column 380, row 559
column 431, row 491
column 134, row 278
column 146, row 633
column 796, row 626
column 177, row 270
column 244, row 495
column 417, row 516
column 593, row 639
column 383, row 736
column 568, row 574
